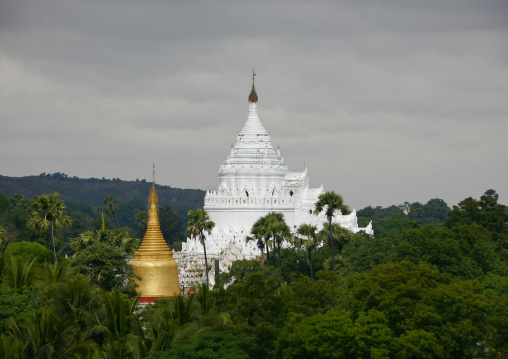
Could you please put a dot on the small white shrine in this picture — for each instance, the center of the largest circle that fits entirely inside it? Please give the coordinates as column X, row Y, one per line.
column 253, row 181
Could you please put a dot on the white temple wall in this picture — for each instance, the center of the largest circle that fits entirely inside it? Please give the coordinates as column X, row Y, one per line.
column 260, row 183
column 239, row 219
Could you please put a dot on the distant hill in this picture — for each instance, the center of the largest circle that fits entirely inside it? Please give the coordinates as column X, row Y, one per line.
column 93, row 190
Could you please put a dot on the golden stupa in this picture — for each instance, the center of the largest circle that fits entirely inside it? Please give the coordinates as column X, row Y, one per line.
column 153, row 261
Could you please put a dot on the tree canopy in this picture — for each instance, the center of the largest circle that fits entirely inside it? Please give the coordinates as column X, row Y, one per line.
column 431, row 286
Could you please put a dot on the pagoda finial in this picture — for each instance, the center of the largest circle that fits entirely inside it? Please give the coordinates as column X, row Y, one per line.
column 253, row 97
column 152, row 197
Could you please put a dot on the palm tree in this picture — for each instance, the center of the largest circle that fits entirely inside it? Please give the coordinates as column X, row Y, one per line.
column 119, row 238
column 141, row 218
column 278, row 229
column 49, row 275
column 259, row 231
column 4, row 243
column 260, row 243
column 18, row 271
column 307, row 237
column 330, row 202
column 269, row 227
column 48, row 211
column 119, row 325
column 45, row 334
column 181, row 319
column 199, row 222
column 341, row 236
column 111, row 207
column 171, row 322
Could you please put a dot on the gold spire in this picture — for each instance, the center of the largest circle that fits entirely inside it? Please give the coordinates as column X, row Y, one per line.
column 103, row 228
column 153, row 237
column 253, row 97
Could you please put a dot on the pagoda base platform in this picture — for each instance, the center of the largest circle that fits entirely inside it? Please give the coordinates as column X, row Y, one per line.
column 151, row 300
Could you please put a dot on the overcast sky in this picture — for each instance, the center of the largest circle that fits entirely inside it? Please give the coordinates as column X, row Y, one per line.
column 384, row 101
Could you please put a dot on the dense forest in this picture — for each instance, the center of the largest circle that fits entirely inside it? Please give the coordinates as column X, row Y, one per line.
column 431, row 283
column 91, row 191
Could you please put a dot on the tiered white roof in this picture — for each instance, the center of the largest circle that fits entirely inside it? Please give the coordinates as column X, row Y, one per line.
column 253, row 153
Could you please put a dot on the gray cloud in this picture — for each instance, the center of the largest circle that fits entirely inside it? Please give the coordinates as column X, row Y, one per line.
column 384, row 101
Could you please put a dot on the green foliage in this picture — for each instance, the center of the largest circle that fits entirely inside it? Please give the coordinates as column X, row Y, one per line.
column 106, row 266
column 339, row 235
column 14, row 218
column 416, row 297
column 271, row 228
column 442, row 248
column 278, row 230
column 119, row 325
column 80, row 223
column 111, row 207
column 258, row 307
column 486, row 212
column 141, row 218
column 96, row 223
column 46, row 335
column 241, row 270
column 262, row 237
column 409, row 295
column 330, row 203
column 118, row 238
column 467, row 252
column 435, row 211
column 307, row 237
column 365, row 252
column 30, row 250
column 4, row 202
column 499, row 320
column 126, row 216
column 215, row 345
column 13, row 303
column 389, row 221
column 18, row 272
column 238, row 272
column 48, row 214
column 81, row 207
column 309, row 297
column 172, row 226
column 335, row 335
column 295, row 262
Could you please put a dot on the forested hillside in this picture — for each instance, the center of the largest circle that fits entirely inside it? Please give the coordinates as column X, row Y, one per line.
column 93, row 190
column 389, row 221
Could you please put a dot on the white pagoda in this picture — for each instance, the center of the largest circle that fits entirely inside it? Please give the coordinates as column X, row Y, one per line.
column 253, row 181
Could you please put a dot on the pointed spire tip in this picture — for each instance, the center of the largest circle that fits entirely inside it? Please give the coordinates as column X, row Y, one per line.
column 253, row 97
